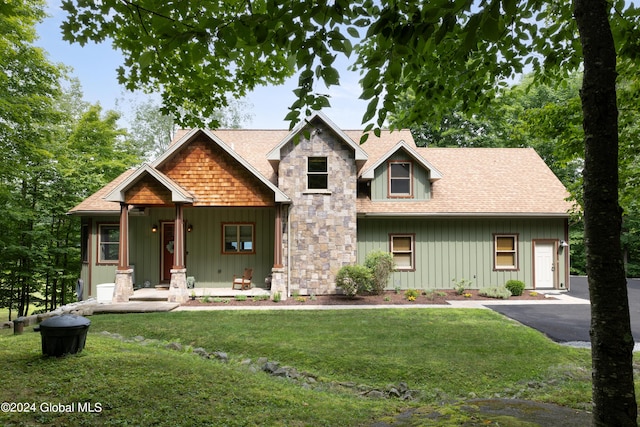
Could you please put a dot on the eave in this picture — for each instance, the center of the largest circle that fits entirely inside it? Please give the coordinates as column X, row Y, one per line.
column 178, row 194
column 434, row 174
column 274, row 156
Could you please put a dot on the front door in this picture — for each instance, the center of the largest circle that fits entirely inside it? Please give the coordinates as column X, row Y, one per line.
column 544, row 261
column 166, row 250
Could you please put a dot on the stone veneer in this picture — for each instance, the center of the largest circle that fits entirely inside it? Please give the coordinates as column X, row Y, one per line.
column 123, row 285
column 323, row 222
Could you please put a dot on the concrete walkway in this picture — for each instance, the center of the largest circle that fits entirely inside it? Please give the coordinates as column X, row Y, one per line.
column 153, row 294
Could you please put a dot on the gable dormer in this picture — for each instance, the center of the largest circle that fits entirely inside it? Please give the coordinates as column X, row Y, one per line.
column 400, row 174
column 311, row 129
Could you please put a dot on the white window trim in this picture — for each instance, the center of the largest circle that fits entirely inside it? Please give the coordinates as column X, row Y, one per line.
column 325, row 173
column 514, row 251
column 412, row 251
column 409, row 178
column 101, row 260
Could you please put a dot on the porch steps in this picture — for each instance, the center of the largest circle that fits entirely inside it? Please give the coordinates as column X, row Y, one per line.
column 153, row 294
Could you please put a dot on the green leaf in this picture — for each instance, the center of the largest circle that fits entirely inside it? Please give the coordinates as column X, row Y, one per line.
column 261, row 32
column 331, row 76
column 321, row 102
column 371, row 110
column 228, row 36
column 510, row 7
column 293, row 115
column 146, row 59
column 371, row 79
column 353, row 32
column 490, row 29
column 471, row 37
column 395, row 70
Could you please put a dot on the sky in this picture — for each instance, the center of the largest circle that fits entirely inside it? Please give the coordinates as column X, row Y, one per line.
column 95, row 67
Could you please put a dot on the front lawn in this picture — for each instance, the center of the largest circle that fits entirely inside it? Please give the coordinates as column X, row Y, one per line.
column 445, row 354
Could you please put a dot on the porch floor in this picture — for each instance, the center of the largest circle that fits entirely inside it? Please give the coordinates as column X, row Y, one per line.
column 153, row 294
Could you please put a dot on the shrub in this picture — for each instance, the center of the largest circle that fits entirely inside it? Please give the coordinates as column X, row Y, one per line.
column 241, row 297
column 276, row 296
column 515, row 286
column 381, row 265
column 354, row 279
column 499, row 292
column 461, row 285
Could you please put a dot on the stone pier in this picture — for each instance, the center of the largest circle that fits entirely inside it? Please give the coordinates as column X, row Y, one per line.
column 178, row 286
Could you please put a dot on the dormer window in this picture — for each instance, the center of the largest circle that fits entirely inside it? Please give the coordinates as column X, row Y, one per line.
column 317, row 173
column 400, row 174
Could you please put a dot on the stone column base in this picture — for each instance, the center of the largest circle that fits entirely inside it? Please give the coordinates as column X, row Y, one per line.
column 278, row 283
column 124, row 286
column 178, row 286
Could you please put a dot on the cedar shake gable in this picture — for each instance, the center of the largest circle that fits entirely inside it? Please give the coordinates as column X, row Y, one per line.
column 148, row 186
column 215, row 173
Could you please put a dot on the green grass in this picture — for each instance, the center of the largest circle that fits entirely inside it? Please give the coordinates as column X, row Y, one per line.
column 447, row 354
column 4, row 313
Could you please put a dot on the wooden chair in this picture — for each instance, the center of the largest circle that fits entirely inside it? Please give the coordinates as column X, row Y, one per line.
column 243, row 281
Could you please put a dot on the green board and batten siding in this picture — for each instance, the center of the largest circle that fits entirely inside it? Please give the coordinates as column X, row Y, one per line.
column 459, row 248
column 204, row 259
column 203, row 245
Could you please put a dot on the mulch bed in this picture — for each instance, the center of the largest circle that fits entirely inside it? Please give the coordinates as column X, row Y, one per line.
column 390, row 297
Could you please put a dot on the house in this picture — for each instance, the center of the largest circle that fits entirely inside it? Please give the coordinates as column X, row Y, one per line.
column 296, row 206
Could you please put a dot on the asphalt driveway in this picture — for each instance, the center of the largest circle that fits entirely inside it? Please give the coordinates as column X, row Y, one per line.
column 569, row 322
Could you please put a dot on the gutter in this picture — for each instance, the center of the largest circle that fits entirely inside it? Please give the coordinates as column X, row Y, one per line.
column 445, row 215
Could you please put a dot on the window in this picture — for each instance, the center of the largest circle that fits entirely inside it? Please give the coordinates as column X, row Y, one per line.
column 108, row 243
column 238, row 239
column 506, row 252
column 84, row 242
column 400, row 179
column 317, row 173
column 402, row 249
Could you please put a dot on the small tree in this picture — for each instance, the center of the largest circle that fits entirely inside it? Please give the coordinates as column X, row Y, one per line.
column 381, row 264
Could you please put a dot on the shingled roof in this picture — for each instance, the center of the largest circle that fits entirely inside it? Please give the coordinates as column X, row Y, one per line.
column 474, row 181
column 480, row 182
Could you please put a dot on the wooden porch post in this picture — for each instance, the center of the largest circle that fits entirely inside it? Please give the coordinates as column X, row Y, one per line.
column 277, row 240
column 178, row 286
column 178, row 253
column 123, row 250
column 124, row 274
column 278, row 279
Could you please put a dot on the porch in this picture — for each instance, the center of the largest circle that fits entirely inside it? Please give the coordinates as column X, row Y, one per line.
column 154, row 294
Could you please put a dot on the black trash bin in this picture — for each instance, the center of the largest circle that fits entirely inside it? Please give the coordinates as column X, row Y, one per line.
column 65, row 334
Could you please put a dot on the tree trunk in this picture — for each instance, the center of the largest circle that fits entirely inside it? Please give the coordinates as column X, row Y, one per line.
column 611, row 339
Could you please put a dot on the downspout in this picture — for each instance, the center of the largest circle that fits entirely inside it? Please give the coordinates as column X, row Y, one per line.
column 288, row 251
column 567, row 256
